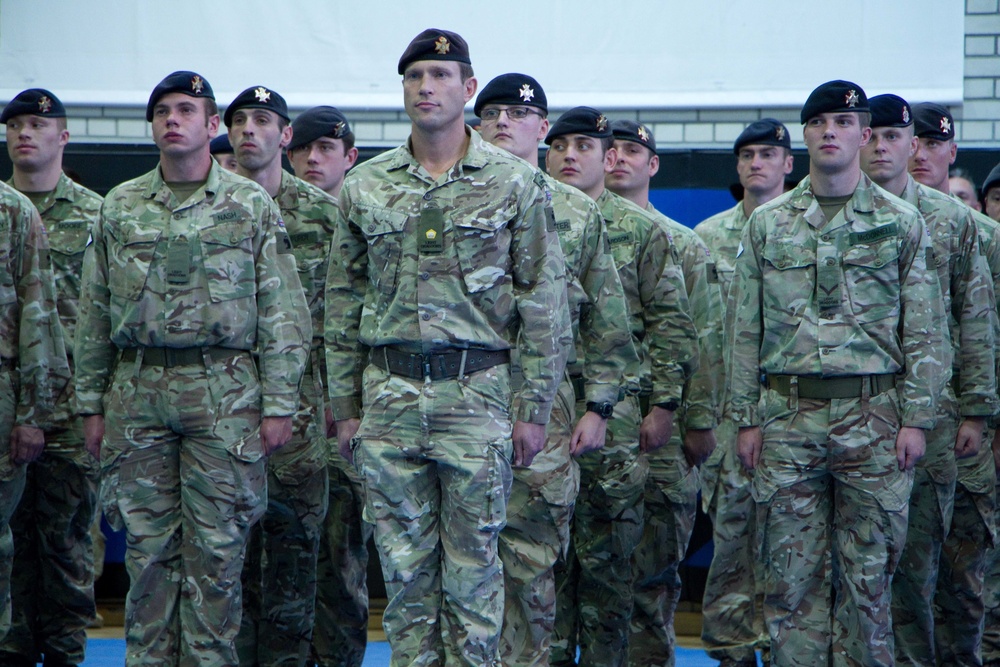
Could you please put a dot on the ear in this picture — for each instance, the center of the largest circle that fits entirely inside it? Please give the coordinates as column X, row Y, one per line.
column 610, row 158
column 654, row 165
column 64, row 137
column 914, row 142
column 954, row 152
column 213, row 126
column 543, row 129
column 789, row 163
column 286, row 136
column 471, row 85
column 352, row 157
column 866, row 136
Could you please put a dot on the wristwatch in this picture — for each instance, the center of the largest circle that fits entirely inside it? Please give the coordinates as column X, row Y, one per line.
column 602, row 410
column 669, row 405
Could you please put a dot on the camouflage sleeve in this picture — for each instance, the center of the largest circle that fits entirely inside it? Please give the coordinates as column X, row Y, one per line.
column 346, row 284
column 702, row 391
column 922, row 326
column 973, row 305
column 604, row 334
column 43, row 368
column 670, row 335
column 94, row 353
column 539, row 283
column 744, row 329
column 284, row 324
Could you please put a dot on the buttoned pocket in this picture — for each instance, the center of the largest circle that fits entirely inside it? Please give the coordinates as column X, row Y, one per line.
column 482, row 242
column 227, row 253
column 789, row 272
column 132, row 258
column 383, row 228
column 872, row 275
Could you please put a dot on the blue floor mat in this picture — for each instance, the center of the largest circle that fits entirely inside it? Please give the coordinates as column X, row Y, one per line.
column 111, row 653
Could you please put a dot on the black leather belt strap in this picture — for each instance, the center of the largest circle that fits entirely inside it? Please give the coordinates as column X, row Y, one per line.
column 443, row 366
column 168, row 357
column 830, row 388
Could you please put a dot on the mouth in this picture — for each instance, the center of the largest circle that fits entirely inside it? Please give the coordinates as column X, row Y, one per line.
column 248, row 145
column 313, row 172
column 173, row 136
column 568, row 171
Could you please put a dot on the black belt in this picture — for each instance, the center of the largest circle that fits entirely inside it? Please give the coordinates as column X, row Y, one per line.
column 436, row 366
column 830, row 388
column 168, row 357
column 579, row 386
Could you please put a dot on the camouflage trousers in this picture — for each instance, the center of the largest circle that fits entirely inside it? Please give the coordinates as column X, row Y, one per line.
column 435, row 460
column 991, row 599
column 594, row 582
column 931, row 504
column 340, row 634
column 959, row 608
column 52, row 586
column 536, row 535
column 671, row 503
column 832, row 511
column 279, row 573
column 183, row 472
column 11, row 487
column 732, row 625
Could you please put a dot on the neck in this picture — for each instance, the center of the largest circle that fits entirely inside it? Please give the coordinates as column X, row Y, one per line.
column 751, row 200
column 186, row 169
column 895, row 185
column 438, row 151
column 595, row 191
column 638, row 196
column 268, row 177
column 43, row 180
column 836, row 184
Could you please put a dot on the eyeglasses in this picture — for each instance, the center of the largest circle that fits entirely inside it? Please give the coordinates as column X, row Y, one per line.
column 514, row 113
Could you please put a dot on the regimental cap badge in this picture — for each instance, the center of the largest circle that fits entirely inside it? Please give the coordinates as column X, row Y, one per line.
column 945, row 125
column 643, row 133
column 906, row 114
column 602, row 123
column 262, row 94
column 851, row 99
column 338, row 129
column 779, row 133
column 442, row 45
column 44, row 104
column 526, row 93
column 431, row 234
column 197, row 84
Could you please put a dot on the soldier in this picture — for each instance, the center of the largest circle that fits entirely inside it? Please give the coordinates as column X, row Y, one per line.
column 991, row 194
column 513, row 108
column 444, row 263
column 955, row 621
column 671, row 492
column 279, row 575
column 321, row 151
column 190, row 272
column 53, row 579
column 732, row 627
column 961, row 185
column 833, row 303
column 322, row 148
column 595, row 585
column 222, row 151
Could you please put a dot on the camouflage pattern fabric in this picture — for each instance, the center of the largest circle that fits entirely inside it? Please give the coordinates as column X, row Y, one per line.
column 850, row 296
column 967, row 290
column 35, row 370
column 434, row 455
column 990, row 645
column 731, row 623
column 54, row 550
column 543, row 495
column 182, row 459
column 671, row 493
column 279, row 575
column 340, row 634
column 595, row 598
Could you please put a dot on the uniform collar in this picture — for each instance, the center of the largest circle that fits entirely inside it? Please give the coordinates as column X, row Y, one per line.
column 159, row 191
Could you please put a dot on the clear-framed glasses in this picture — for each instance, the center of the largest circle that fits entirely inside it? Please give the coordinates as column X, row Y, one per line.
column 491, row 114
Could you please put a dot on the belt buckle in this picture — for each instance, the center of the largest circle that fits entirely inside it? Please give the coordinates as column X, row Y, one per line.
column 425, row 366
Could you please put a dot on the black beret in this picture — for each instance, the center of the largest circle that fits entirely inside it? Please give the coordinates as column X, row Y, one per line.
column 629, row 130
column 933, row 121
column 766, row 131
column 833, row 97
column 515, row 89
column 318, row 122
column 34, row 101
column 220, row 145
column 993, row 180
column 189, row 83
column 257, row 97
column 890, row 111
column 580, row 120
column 435, row 44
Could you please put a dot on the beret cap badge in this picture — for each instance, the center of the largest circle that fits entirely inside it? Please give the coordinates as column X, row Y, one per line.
column 442, row 45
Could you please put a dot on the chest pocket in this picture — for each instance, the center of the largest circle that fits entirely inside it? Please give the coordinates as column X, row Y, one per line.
column 482, row 242
column 311, row 255
column 789, row 274
column 383, row 228
column 132, row 256
column 872, row 276
column 69, row 237
column 227, row 255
